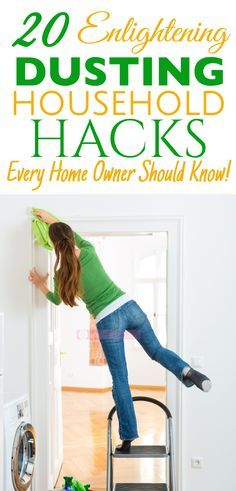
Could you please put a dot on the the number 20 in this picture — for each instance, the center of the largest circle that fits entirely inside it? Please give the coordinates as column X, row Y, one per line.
column 37, row 17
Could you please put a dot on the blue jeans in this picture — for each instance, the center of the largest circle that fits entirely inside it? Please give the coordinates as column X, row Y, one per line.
column 130, row 317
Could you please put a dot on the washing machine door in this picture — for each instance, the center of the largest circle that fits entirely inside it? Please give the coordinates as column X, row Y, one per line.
column 23, row 457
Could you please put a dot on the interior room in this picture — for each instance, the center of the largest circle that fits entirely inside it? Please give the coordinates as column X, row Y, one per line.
column 195, row 316
column 138, row 263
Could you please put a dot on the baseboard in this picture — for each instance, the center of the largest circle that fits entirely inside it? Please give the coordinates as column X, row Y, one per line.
column 149, row 387
column 108, row 389
column 66, row 388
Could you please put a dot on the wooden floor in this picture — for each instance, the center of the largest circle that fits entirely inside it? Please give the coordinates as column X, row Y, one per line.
column 85, row 424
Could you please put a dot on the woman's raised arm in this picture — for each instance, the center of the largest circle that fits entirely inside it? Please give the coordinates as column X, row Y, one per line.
column 44, row 216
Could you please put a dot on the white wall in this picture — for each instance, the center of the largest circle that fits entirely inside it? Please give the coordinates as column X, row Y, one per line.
column 76, row 371
column 209, row 312
column 14, row 294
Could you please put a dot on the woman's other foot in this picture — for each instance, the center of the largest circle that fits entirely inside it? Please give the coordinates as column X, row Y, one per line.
column 193, row 377
column 124, row 446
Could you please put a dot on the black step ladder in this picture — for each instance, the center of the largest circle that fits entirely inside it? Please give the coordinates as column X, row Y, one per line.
column 142, row 451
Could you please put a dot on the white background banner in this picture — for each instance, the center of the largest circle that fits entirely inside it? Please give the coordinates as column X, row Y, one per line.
column 173, row 138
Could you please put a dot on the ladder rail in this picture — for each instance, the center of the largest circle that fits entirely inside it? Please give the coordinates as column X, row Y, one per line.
column 109, row 479
column 172, row 472
column 169, row 443
column 145, row 399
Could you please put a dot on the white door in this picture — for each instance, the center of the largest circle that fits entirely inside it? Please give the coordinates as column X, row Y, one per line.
column 45, row 373
column 56, row 423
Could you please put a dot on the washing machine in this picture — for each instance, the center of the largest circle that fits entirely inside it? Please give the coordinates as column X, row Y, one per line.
column 20, row 446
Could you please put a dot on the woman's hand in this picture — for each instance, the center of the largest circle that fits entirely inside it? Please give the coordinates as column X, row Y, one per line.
column 37, row 279
column 44, row 216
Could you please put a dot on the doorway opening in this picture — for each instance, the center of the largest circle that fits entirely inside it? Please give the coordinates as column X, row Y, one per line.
column 148, row 266
column 138, row 264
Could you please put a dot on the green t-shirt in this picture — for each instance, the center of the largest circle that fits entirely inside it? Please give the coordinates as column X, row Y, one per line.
column 99, row 290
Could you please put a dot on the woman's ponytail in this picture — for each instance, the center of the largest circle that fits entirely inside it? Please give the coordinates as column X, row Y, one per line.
column 67, row 266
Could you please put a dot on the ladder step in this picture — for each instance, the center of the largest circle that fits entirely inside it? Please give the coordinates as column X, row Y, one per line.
column 140, row 487
column 140, row 451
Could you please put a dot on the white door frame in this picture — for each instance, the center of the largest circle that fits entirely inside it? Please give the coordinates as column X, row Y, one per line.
column 39, row 366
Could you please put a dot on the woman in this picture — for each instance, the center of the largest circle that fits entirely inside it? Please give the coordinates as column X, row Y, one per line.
column 80, row 274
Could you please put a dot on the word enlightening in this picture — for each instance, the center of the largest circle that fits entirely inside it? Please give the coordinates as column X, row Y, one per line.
column 96, row 30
